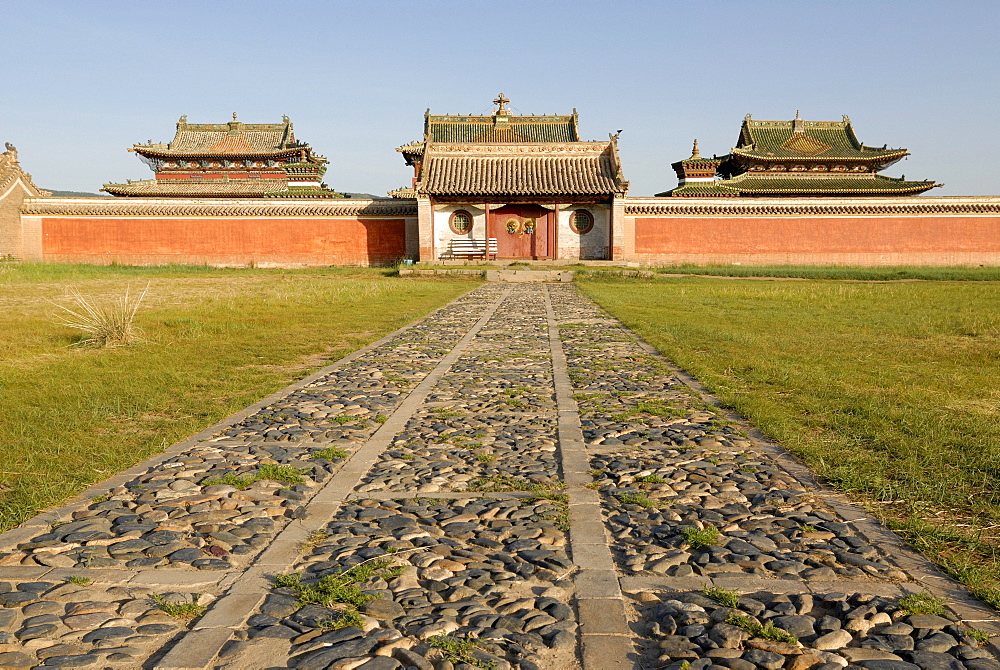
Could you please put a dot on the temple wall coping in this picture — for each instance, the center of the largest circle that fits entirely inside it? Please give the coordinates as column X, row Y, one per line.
column 988, row 205
column 218, row 207
column 401, row 207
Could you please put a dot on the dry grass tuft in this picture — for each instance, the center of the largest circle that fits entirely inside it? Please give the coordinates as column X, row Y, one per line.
column 109, row 324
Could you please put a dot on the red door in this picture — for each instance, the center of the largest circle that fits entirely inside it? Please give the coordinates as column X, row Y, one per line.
column 522, row 231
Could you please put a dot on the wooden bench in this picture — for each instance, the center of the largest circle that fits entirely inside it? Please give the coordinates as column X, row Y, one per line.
column 464, row 247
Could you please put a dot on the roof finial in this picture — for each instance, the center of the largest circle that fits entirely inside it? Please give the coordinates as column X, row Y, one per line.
column 695, row 153
column 234, row 116
column 500, row 101
column 797, row 117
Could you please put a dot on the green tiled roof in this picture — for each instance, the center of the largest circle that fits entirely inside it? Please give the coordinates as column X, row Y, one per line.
column 749, row 184
column 502, row 128
column 217, row 188
column 234, row 138
column 808, row 140
column 703, row 189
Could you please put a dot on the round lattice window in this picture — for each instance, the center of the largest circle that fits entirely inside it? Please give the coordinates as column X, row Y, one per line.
column 460, row 222
column 581, row 221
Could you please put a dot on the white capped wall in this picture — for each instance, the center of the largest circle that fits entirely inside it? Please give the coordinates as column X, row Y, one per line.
column 443, row 234
column 590, row 246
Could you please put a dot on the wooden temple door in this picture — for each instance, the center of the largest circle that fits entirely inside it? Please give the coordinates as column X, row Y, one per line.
column 522, row 231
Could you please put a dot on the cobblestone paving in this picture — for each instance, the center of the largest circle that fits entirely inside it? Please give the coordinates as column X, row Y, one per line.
column 513, row 482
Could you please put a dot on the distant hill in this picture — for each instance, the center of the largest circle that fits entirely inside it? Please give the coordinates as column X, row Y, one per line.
column 362, row 195
column 76, row 194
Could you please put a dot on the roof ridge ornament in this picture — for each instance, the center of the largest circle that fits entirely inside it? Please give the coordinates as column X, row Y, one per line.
column 695, row 152
column 798, row 125
column 500, row 101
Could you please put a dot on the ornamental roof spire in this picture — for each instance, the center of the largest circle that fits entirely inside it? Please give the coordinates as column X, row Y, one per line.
column 798, row 126
column 695, row 152
column 500, row 101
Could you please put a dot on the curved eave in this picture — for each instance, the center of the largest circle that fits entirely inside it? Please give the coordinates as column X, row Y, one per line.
column 671, row 194
column 328, row 195
column 887, row 156
column 188, row 196
column 129, row 191
column 207, row 154
column 913, row 190
column 528, row 193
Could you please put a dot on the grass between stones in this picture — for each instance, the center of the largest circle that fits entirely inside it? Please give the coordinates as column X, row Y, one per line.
column 340, row 591
column 888, row 390
column 458, row 650
column 499, row 483
column 725, row 597
column 285, row 474
column 922, row 603
column 767, row 631
column 330, row 454
column 214, row 341
column 180, row 610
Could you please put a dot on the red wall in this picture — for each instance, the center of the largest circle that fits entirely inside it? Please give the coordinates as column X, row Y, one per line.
column 870, row 240
column 223, row 241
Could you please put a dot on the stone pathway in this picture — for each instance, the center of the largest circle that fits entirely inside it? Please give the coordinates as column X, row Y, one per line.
column 513, row 482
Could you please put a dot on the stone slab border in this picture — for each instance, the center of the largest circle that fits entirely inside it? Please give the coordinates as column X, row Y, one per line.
column 605, row 638
column 247, row 589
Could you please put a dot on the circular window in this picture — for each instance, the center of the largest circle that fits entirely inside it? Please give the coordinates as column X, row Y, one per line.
column 460, row 222
column 581, row 221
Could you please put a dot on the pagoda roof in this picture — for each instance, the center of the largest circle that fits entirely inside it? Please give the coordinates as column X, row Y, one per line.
column 411, row 148
column 697, row 159
column 752, row 184
column 572, row 168
column 500, row 127
column 808, row 141
column 403, row 192
column 505, row 128
column 233, row 139
column 214, row 188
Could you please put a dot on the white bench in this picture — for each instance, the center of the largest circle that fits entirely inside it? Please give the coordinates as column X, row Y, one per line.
column 464, row 247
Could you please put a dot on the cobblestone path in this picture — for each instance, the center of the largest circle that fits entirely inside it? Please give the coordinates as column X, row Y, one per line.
column 513, row 482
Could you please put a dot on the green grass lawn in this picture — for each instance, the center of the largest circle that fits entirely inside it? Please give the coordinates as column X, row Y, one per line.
column 214, row 341
column 891, row 391
column 889, row 273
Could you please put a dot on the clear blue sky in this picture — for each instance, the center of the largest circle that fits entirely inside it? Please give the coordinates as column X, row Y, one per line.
column 82, row 81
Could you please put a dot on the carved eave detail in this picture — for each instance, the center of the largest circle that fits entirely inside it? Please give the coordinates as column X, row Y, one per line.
column 577, row 148
column 11, row 171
